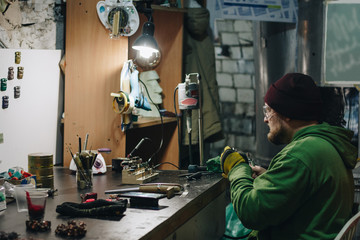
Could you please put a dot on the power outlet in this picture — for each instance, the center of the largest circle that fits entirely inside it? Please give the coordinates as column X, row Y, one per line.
column 1, row 138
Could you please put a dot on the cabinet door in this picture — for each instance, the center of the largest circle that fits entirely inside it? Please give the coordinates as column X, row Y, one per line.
column 92, row 72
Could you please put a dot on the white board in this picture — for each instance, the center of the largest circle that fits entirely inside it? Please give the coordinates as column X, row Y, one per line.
column 341, row 55
column 30, row 123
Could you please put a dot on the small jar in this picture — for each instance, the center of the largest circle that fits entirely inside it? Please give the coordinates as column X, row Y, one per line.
column 84, row 178
column 10, row 73
column 17, row 57
column 2, row 198
column 3, row 83
column 20, row 72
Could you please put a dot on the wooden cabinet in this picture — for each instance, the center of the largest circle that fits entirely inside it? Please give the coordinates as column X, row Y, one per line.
column 169, row 35
column 92, row 72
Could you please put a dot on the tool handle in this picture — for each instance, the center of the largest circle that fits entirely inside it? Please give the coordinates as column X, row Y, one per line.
column 158, row 188
column 124, row 190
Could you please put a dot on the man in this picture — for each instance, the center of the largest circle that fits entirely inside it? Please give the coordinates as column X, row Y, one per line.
column 307, row 192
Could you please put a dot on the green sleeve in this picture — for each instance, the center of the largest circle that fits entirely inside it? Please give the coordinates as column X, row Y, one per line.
column 272, row 197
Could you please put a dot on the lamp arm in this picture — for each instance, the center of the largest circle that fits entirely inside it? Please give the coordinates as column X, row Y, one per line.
column 146, row 10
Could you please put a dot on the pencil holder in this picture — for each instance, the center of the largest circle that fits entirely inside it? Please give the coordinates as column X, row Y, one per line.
column 84, row 178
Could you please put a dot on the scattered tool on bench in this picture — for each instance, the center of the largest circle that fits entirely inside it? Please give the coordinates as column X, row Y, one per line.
column 167, row 188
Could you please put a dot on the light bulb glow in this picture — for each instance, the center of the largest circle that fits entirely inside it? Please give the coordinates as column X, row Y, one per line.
column 146, row 52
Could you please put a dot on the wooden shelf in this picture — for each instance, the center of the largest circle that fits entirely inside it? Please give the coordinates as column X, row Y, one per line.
column 171, row 9
column 152, row 121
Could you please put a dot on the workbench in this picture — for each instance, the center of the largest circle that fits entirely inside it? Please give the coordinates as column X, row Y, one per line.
column 200, row 214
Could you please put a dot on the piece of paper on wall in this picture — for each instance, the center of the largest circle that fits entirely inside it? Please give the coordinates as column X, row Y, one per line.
column 257, row 10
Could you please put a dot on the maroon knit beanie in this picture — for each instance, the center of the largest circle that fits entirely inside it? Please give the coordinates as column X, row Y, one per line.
column 296, row 96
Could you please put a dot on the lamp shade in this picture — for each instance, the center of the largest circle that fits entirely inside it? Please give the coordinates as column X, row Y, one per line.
column 146, row 42
column 148, row 53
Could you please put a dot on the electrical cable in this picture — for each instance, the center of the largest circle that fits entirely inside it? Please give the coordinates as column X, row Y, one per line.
column 165, row 163
column 162, row 123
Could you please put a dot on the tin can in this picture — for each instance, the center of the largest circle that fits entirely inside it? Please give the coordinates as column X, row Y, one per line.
column 3, row 84
column 17, row 57
column 5, row 102
column 41, row 165
column 20, row 72
column 16, row 91
column 10, row 73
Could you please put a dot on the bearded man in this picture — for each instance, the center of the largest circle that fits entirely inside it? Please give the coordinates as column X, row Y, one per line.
column 307, row 192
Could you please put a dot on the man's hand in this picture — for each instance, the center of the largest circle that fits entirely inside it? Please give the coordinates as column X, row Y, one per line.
column 257, row 171
column 230, row 158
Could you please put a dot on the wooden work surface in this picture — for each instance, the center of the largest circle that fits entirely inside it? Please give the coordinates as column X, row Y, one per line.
column 136, row 223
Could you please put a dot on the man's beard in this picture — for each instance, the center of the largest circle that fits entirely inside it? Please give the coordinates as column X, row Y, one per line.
column 277, row 136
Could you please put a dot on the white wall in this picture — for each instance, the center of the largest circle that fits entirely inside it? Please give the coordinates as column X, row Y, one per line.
column 30, row 124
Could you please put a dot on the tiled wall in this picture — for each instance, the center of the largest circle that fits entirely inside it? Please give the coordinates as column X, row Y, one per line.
column 236, row 81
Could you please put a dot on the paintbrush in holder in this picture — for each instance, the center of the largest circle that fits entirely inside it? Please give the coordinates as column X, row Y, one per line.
column 84, row 162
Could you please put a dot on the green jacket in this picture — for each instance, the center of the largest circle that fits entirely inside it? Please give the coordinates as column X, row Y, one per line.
column 307, row 191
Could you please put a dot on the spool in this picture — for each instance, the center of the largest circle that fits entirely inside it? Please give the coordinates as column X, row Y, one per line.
column 41, row 165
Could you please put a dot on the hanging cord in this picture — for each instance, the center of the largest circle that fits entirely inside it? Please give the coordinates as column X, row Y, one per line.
column 162, row 132
column 162, row 123
column 178, row 127
column 156, row 166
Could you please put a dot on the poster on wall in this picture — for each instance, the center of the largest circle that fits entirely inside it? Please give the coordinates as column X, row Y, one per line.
column 257, row 10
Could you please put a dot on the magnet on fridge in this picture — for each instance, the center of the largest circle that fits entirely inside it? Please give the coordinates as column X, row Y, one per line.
column 10, row 73
column 20, row 72
column 3, row 83
column 17, row 57
column 5, row 102
column 16, row 91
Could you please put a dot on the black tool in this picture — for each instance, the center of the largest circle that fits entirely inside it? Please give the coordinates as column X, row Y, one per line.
column 137, row 146
column 194, row 176
column 196, row 168
column 166, row 188
column 141, row 199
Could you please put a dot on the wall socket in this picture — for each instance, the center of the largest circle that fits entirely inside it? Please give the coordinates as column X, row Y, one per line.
column 1, row 138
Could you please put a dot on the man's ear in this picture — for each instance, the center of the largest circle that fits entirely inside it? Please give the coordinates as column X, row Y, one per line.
column 287, row 119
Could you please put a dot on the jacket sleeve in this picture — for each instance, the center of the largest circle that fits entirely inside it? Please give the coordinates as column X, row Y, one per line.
column 272, row 197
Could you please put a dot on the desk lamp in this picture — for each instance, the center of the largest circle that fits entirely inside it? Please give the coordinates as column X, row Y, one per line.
column 148, row 54
column 148, row 57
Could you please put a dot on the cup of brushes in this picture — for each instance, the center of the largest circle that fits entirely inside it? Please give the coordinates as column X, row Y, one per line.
column 84, row 162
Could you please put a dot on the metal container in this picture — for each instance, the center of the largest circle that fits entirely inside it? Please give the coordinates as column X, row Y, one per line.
column 17, row 57
column 41, row 165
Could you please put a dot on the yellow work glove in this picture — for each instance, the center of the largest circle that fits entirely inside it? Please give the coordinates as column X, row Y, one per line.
column 230, row 158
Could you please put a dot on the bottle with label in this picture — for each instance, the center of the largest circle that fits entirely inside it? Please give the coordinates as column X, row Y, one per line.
column 2, row 199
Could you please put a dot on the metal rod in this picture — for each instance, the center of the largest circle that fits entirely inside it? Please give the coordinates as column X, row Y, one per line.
column 201, row 147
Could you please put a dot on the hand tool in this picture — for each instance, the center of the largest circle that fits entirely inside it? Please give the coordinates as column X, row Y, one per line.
column 168, row 188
